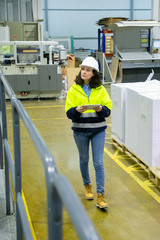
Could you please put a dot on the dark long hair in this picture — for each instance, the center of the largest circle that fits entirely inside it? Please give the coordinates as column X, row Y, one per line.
column 95, row 81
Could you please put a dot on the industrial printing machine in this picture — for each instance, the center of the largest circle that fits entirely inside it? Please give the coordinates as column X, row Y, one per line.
column 33, row 68
column 136, row 49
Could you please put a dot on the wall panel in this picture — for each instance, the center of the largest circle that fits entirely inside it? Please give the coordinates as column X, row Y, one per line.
column 143, row 4
column 143, row 15
column 90, row 4
column 77, row 24
column 78, row 18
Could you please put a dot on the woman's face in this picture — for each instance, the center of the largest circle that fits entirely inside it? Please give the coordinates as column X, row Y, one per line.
column 86, row 73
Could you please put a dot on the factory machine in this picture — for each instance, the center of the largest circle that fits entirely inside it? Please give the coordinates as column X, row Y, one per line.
column 138, row 52
column 33, row 68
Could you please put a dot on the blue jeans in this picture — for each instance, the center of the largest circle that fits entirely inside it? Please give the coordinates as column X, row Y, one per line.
column 97, row 140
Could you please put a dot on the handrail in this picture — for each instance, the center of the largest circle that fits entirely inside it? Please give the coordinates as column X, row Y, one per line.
column 59, row 190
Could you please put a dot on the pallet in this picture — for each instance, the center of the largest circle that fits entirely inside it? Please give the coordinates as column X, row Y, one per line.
column 154, row 175
column 153, row 172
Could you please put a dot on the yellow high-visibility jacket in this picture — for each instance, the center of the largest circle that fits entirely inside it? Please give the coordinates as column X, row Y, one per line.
column 90, row 120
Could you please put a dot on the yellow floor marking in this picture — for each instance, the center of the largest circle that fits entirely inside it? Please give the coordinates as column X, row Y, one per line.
column 116, row 152
column 136, row 167
column 53, row 106
column 41, row 119
column 125, row 156
column 108, row 142
column 29, row 218
column 149, row 183
column 128, row 170
column 47, row 119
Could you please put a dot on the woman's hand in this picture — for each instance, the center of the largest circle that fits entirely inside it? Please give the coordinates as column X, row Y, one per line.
column 98, row 109
column 81, row 109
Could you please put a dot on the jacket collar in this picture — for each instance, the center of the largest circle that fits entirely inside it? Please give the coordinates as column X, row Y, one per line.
column 79, row 88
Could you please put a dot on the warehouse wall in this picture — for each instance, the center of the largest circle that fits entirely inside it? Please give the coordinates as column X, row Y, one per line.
column 78, row 18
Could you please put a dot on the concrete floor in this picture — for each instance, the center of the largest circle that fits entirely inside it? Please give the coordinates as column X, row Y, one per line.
column 134, row 202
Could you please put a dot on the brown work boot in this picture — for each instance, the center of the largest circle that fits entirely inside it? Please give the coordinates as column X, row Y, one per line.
column 101, row 201
column 89, row 194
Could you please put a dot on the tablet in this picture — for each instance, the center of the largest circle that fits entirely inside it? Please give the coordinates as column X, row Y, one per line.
column 91, row 106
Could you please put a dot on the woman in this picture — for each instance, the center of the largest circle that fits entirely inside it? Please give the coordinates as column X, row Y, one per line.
column 88, row 123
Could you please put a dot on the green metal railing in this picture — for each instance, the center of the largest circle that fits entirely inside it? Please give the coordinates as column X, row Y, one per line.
column 59, row 190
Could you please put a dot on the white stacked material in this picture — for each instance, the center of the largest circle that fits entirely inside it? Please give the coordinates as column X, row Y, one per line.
column 132, row 111
column 149, row 129
column 118, row 112
column 118, row 96
column 136, row 117
column 154, row 82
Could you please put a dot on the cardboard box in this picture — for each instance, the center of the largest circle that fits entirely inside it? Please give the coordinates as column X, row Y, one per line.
column 78, row 62
column 104, row 22
column 114, row 67
column 71, row 61
column 71, row 75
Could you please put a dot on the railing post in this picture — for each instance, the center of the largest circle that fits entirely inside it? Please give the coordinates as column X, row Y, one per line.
column 1, row 129
column 4, row 122
column 103, row 70
column 1, row 144
column 17, row 158
column 55, row 216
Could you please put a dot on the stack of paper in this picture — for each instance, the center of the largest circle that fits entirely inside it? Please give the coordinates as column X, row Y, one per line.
column 118, row 96
column 118, row 112
column 149, row 129
column 132, row 111
column 136, row 117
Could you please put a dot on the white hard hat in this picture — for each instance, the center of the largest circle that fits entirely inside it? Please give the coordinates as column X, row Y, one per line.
column 90, row 62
